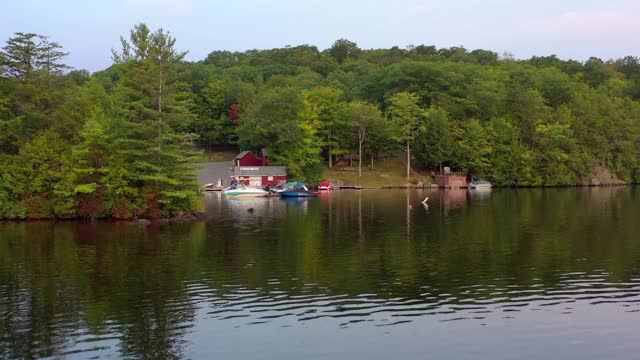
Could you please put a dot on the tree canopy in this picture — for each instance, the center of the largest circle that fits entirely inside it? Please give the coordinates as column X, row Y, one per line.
column 120, row 142
column 102, row 146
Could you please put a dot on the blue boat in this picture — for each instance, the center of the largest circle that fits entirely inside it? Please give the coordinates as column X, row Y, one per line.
column 293, row 193
column 298, row 190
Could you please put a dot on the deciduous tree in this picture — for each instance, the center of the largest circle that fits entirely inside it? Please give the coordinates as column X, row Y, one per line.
column 405, row 111
column 363, row 117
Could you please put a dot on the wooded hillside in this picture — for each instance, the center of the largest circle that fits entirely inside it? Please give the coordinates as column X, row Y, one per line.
column 119, row 143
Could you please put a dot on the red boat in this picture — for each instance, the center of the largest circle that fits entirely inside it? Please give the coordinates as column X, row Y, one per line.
column 324, row 185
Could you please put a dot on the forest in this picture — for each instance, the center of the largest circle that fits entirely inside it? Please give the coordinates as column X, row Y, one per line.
column 121, row 143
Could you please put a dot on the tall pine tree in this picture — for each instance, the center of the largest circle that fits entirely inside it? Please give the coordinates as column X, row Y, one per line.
column 26, row 54
column 154, row 102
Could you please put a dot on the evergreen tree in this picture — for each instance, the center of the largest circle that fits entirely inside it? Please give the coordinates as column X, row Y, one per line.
column 21, row 55
column 27, row 53
column 155, row 103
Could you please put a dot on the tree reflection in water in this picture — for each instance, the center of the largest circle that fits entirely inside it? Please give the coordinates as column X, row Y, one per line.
column 111, row 288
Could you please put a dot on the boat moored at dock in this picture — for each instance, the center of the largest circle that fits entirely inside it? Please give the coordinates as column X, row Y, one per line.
column 298, row 190
column 479, row 184
column 325, row 185
column 241, row 190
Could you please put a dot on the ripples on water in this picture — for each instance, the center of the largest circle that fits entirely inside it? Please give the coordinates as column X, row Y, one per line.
column 496, row 275
column 474, row 301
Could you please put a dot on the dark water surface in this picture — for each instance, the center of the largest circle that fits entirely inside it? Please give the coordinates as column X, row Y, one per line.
column 526, row 274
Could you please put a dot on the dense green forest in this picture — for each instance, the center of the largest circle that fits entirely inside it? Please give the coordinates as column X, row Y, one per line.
column 120, row 142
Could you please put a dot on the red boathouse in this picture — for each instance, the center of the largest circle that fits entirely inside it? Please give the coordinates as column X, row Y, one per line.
column 259, row 176
column 248, row 158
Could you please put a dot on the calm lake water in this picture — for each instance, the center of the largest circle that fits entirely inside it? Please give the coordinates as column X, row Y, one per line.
column 524, row 274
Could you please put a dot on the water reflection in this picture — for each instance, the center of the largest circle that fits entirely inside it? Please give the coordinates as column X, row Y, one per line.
column 479, row 195
column 452, row 199
column 250, row 209
column 362, row 260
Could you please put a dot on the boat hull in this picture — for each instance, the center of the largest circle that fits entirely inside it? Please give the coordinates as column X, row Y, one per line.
column 479, row 187
column 245, row 193
column 296, row 194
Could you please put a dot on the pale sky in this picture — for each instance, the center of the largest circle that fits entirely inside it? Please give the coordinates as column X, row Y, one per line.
column 575, row 29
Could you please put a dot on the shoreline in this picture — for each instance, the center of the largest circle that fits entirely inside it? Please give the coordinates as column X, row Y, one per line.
column 185, row 218
column 202, row 216
column 436, row 187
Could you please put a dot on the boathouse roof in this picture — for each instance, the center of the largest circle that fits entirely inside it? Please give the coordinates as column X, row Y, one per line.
column 259, row 171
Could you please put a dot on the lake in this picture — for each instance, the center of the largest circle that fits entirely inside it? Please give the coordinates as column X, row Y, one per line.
column 372, row 274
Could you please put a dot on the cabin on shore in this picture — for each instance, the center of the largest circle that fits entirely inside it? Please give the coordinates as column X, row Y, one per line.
column 259, row 176
column 248, row 158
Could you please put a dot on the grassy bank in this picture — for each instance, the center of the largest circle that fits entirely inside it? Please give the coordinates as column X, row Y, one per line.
column 389, row 172
column 385, row 173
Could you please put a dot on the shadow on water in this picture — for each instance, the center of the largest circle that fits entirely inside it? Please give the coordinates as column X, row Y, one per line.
column 365, row 259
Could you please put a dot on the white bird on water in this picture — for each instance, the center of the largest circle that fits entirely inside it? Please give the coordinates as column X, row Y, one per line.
column 424, row 203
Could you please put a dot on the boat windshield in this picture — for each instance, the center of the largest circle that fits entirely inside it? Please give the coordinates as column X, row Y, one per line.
column 300, row 187
column 236, row 186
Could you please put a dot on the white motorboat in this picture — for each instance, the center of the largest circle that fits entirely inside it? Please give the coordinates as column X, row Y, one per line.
column 277, row 189
column 479, row 184
column 240, row 189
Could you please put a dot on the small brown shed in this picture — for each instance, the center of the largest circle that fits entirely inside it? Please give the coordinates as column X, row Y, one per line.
column 451, row 181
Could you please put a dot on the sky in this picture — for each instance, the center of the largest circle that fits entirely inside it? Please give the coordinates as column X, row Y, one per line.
column 570, row 29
